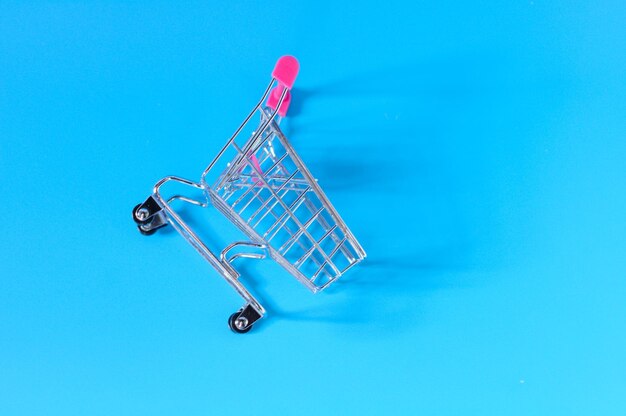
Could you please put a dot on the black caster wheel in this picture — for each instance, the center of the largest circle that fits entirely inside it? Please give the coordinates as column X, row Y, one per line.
column 148, row 223
column 137, row 214
column 239, row 324
column 146, row 232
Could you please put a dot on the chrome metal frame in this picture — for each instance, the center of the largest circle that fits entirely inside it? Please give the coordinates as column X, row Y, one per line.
column 265, row 181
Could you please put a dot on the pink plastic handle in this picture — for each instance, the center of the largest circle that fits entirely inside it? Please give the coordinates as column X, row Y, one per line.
column 286, row 71
column 272, row 101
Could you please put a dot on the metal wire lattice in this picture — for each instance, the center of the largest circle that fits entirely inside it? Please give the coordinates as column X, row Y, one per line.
column 269, row 193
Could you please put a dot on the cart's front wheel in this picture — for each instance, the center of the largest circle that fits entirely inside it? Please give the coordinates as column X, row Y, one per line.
column 149, row 231
column 238, row 323
column 140, row 216
column 148, row 219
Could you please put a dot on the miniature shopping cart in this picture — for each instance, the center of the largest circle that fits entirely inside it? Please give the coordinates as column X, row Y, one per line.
column 261, row 185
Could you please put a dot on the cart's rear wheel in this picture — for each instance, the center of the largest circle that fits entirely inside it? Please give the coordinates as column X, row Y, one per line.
column 238, row 323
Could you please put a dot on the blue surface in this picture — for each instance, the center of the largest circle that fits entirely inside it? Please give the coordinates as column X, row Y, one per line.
column 475, row 148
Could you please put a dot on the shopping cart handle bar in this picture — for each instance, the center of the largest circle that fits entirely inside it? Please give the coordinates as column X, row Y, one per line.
column 286, row 71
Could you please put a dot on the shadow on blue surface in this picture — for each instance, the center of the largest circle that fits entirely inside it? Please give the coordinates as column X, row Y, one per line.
column 407, row 207
column 385, row 174
column 385, row 292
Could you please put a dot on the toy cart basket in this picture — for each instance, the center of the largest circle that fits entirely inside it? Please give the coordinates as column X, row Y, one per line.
column 261, row 185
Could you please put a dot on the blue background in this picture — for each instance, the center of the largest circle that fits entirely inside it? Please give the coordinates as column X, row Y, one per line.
column 476, row 149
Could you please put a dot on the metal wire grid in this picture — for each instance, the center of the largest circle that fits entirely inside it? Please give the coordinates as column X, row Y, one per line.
column 265, row 193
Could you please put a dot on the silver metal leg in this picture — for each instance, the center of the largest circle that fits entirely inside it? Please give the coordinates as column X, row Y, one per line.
column 156, row 212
